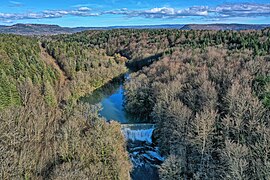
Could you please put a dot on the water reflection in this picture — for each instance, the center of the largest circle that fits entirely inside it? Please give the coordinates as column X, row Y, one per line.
column 111, row 97
column 112, row 106
column 105, row 91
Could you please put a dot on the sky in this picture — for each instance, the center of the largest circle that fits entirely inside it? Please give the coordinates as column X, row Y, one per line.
column 101, row 13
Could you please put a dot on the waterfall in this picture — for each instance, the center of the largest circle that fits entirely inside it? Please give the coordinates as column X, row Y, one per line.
column 138, row 135
column 138, row 132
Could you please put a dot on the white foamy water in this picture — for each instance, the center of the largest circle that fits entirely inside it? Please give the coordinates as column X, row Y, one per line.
column 144, row 135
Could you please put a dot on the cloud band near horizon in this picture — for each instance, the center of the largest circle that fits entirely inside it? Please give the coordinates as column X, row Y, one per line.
column 224, row 11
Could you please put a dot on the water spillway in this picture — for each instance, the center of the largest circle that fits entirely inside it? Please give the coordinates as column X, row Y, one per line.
column 138, row 132
column 138, row 126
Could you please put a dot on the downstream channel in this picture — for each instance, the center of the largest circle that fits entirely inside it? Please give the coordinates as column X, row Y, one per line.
column 143, row 153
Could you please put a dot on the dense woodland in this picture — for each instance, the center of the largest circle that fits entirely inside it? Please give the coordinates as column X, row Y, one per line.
column 211, row 106
column 207, row 91
column 44, row 132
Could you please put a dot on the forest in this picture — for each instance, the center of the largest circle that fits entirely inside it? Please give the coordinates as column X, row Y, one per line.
column 44, row 132
column 208, row 92
column 211, row 106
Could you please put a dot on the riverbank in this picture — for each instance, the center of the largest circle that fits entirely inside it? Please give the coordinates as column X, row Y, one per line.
column 143, row 153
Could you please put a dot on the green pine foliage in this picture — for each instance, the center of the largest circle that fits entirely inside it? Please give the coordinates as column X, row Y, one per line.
column 262, row 87
column 137, row 45
column 20, row 59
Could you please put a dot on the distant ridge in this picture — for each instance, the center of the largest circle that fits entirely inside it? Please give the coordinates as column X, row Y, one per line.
column 38, row 29
column 47, row 29
column 236, row 27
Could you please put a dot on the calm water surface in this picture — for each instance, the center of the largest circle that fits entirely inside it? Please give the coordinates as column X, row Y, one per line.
column 112, row 106
column 111, row 98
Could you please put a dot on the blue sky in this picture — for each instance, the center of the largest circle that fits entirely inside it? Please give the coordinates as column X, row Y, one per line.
column 96, row 13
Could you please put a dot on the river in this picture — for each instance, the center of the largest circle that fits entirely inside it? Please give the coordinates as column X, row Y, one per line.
column 143, row 154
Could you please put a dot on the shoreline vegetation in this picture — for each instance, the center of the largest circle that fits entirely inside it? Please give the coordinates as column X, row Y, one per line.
column 207, row 91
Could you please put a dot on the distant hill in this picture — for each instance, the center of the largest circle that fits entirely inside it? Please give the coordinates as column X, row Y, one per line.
column 38, row 29
column 46, row 29
column 236, row 27
column 164, row 26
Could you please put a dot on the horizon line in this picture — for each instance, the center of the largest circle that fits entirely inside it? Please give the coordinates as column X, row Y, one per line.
column 135, row 25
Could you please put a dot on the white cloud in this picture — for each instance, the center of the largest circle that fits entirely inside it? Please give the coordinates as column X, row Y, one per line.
column 163, row 12
column 220, row 11
column 15, row 4
column 242, row 10
column 84, row 9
